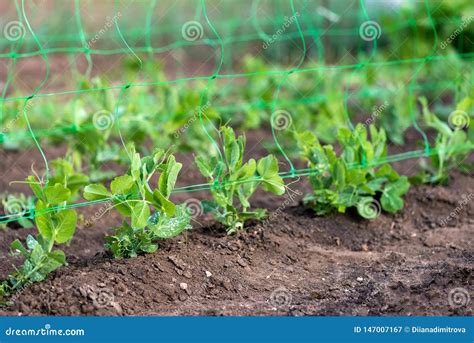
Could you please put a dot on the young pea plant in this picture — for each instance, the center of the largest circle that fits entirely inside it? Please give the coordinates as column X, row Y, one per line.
column 354, row 178
column 452, row 144
column 152, row 215
column 65, row 171
column 56, row 226
column 234, row 181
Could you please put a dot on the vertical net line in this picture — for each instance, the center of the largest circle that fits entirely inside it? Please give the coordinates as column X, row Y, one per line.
column 315, row 34
column 209, row 83
column 128, row 85
column 360, row 66
column 85, row 45
column 255, row 22
column 413, row 81
column 283, row 81
column 149, row 19
column 11, row 73
column 46, row 77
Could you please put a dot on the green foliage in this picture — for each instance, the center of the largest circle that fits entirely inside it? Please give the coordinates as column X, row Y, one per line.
column 55, row 224
column 66, row 173
column 152, row 214
column 235, row 181
column 354, row 178
column 452, row 144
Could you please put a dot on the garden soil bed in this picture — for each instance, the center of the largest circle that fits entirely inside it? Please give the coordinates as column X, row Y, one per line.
column 292, row 264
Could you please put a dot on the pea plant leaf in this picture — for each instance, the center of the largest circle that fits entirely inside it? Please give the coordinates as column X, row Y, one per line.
column 121, row 185
column 55, row 224
column 134, row 197
column 96, row 192
column 354, row 179
column 235, row 181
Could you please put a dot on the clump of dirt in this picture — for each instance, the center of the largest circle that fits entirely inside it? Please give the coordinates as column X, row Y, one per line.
column 413, row 263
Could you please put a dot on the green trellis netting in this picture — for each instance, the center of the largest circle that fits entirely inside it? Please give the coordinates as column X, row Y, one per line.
column 281, row 64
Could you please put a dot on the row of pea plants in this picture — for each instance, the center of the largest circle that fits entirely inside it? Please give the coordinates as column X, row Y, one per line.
column 352, row 178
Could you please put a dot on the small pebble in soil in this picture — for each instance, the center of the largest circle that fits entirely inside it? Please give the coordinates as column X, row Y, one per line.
column 208, row 273
column 242, row 263
column 183, row 285
column 360, row 279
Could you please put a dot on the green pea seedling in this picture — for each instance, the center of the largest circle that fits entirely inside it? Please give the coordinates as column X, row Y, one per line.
column 152, row 215
column 351, row 179
column 56, row 226
column 235, row 181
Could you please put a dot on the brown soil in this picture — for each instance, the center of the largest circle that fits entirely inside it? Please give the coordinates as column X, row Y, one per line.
column 293, row 264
